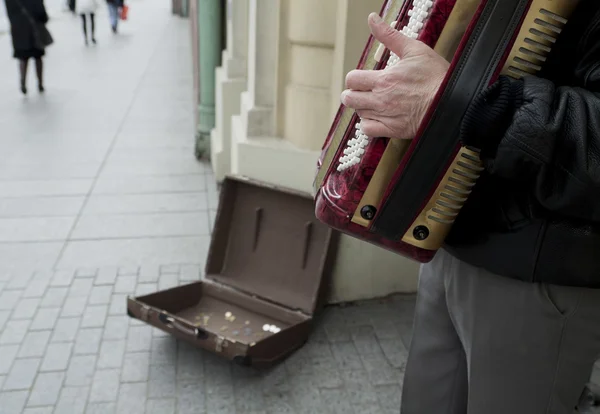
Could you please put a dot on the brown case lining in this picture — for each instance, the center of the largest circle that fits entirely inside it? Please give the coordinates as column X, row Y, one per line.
column 267, row 242
column 265, row 266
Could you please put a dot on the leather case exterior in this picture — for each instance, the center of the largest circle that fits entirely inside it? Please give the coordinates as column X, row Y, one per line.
column 266, row 264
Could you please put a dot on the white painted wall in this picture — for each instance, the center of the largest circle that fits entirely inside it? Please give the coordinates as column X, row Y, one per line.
column 299, row 52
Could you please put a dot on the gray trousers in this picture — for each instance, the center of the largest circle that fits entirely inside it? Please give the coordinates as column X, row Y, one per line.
column 484, row 344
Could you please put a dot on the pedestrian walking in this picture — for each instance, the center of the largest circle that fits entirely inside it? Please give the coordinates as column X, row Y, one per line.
column 87, row 8
column 30, row 36
column 114, row 12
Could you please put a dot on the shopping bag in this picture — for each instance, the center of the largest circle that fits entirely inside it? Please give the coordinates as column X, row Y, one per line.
column 124, row 12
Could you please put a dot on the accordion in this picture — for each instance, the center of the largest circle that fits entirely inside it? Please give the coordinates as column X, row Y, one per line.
column 404, row 195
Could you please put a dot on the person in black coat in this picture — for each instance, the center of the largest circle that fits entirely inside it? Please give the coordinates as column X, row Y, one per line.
column 23, row 37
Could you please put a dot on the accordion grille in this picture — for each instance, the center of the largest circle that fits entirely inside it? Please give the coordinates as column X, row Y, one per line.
column 540, row 31
column 454, row 192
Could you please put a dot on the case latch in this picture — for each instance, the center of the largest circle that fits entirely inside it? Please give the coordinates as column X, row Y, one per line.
column 221, row 343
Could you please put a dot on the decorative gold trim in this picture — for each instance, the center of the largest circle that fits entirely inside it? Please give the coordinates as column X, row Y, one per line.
column 541, row 27
column 450, row 195
column 387, row 166
column 455, row 28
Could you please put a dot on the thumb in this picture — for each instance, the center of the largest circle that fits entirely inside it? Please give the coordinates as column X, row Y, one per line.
column 389, row 37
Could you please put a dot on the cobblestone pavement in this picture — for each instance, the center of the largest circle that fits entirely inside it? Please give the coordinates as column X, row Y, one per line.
column 67, row 346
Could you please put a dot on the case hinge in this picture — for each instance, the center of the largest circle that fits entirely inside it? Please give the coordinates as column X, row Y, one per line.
column 144, row 313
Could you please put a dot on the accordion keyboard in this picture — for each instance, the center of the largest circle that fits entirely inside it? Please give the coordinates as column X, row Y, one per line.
column 356, row 146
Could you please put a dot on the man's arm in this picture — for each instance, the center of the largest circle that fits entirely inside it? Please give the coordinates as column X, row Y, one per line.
column 545, row 134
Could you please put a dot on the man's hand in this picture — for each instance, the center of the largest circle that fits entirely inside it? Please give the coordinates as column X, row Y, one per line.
column 393, row 102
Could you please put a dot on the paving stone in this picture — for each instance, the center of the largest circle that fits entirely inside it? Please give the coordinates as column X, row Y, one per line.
column 106, row 276
column 13, row 402
column 111, row 354
column 116, row 327
column 125, row 284
column 88, row 341
column 39, row 410
column 34, row 344
column 190, row 273
column 25, row 309
column 132, row 398
column 167, row 281
column 139, row 339
column 22, row 374
column 83, row 273
column 62, row 278
column 347, row 357
column 100, row 295
column 136, row 367
column 81, row 370
column 102, row 408
column 162, row 406
column 164, row 351
column 189, row 401
column 65, row 330
column 162, row 381
column 72, row 400
column 105, row 386
column 129, row 271
column 170, row 269
column 118, row 304
column 4, row 315
column 74, row 306
column 57, row 357
column 146, row 289
column 54, row 297
column 14, row 332
column 8, row 353
column 46, row 389
column 94, row 316
column 149, row 274
column 38, row 285
column 9, row 299
column 19, row 281
column 189, row 363
column 45, row 319
column 81, row 288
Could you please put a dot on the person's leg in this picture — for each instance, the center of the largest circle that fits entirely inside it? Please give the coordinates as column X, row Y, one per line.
column 23, row 71
column 39, row 68
column 435, row 380
column 113, row 12
column 84, row 28
column 93, row 23
column 530, row 347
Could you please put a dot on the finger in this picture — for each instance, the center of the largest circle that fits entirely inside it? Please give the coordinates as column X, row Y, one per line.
column 390, row 37
column 374, row 129
column 368, row 114
column 360, row 100
column 361, row 80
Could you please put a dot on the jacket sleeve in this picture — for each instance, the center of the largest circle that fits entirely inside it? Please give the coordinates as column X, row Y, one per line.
column 545, row 135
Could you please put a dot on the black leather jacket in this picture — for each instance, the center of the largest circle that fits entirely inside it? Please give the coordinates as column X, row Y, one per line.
column 535, row 214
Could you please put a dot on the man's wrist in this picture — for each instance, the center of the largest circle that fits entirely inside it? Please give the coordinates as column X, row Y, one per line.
column 490, row 114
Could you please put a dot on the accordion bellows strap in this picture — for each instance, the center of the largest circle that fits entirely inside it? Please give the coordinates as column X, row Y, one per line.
column 404, row 195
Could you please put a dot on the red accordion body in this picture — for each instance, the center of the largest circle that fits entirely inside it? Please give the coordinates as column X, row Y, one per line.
column 404, row 196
